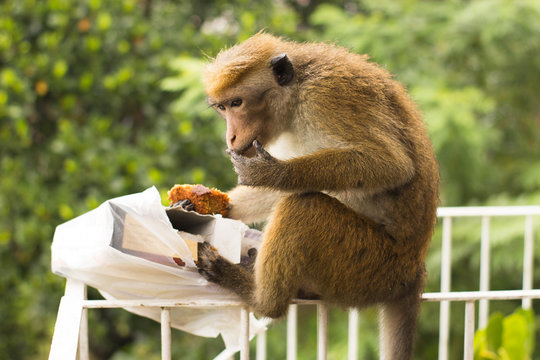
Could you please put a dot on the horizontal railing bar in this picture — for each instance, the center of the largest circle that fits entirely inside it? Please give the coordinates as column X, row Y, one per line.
column 96, row 304
column 478, row 295
column 464, row 211
column 436, row 296
column 100, row 304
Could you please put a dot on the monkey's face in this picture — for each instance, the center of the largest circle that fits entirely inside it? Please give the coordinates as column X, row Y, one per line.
column 248, row 118
column 255, row 108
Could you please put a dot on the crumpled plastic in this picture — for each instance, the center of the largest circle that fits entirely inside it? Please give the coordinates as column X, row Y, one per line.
column 86, row 249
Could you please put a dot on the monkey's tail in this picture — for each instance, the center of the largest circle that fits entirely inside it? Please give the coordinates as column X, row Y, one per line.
column 397, row 325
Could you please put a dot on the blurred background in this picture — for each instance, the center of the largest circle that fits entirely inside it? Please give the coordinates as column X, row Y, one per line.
column 100, row 99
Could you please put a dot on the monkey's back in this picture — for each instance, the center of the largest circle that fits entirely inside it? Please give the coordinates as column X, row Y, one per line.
column 357, row 99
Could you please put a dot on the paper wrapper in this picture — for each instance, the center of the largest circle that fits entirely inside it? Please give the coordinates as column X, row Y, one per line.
column 130, row 248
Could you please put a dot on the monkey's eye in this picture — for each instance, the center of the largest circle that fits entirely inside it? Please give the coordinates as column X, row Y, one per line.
column 220, row 107
column 236, row 102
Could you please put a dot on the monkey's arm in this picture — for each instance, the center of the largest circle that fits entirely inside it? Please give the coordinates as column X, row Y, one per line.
column 371, row 166
column 252, row 204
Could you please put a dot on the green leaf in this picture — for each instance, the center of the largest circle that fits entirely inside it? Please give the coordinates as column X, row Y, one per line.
column 515, row 337
column 528, row 316
column 60, row 68
column 494, row 331
column 506, row 338
column 104, row 21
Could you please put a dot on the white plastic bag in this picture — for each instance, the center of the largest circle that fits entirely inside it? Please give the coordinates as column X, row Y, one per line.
column 89, row 248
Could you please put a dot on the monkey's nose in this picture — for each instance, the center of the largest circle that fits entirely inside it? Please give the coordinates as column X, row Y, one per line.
column 232, row 139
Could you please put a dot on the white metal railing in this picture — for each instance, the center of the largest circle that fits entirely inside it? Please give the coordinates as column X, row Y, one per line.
column 71, row 330
column 485, row 213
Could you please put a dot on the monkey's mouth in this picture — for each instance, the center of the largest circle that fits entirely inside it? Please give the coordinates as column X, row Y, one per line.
column 248, row 150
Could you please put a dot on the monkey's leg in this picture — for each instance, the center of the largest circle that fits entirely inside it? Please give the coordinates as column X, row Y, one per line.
column 313, row 239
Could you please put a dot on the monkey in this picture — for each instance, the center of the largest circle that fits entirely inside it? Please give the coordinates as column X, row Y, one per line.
column 333, row 154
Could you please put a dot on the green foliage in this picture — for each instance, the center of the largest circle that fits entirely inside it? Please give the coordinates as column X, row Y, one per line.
column 506, row 338
column 103, row 98
column 85, row 115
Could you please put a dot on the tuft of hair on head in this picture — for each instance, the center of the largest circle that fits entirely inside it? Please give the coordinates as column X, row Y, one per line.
column 231, row 65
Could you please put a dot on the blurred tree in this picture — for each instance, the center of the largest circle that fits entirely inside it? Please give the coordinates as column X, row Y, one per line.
column 83, row 118
column 100, row 99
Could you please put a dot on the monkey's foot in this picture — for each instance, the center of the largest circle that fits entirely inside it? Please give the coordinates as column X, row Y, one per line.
column 215, row 268
column 212, row 266
column 249, row 260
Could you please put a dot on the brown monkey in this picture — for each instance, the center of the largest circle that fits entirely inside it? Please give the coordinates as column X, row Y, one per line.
column 331, row 151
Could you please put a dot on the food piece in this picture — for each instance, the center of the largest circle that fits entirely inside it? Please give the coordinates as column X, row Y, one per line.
column 179, row 261
column 203, row 199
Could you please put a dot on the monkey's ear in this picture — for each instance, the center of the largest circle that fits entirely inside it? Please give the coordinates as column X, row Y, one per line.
column 283, row 69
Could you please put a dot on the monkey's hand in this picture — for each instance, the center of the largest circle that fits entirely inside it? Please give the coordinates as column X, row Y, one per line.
column 215, row 268
column 258, row 170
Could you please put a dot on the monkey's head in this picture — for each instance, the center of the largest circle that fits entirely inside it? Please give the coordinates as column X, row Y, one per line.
column 249, row 85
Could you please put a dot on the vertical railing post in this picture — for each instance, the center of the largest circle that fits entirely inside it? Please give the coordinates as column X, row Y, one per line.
column 261, row 346
column 322, row 326
column 483, row 306
column 468, row 343
column 292, row 319
column 353, row 334
column 166, row 334
column 244, row 334
column 66, row 337
column 528, row 255
column 444, row 324
column 84, row 349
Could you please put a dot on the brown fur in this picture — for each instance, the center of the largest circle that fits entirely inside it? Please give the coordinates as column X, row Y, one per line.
column 349, row 184
column 232, row 65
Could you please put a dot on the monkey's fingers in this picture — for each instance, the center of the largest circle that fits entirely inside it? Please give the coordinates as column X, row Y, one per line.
column 235, row 157
column 208, row 275
column 184, row 204
column 206, row 253
column 261, row 151
column 234, row 154
column 240, row 164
